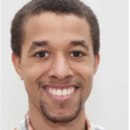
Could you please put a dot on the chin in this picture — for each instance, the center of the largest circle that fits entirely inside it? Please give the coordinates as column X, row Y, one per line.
column 61, row 115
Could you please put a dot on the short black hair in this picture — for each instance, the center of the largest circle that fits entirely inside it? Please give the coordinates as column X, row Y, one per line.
column 35, row 7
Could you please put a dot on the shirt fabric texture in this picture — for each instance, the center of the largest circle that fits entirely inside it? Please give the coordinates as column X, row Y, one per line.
column 26, row 125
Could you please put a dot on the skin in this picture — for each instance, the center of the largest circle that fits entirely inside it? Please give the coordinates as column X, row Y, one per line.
column 58, row 66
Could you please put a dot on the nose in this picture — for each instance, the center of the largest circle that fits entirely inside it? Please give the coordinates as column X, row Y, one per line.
column 60, row 69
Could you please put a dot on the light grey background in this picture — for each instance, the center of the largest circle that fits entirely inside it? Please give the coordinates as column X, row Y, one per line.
column 108, row 102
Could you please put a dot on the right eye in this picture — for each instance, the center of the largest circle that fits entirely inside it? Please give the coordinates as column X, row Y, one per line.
column 42, row 54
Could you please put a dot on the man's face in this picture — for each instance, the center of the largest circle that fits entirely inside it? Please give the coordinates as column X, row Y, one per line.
column 57, row 64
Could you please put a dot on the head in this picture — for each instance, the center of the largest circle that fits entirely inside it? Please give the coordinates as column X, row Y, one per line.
column 55, row 47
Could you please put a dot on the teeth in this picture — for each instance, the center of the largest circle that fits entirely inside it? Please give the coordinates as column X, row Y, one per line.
column 68, row 91
column 64, row 92
column 54, row 92
column 60, row 92
column 72, row 90
column 50, row 90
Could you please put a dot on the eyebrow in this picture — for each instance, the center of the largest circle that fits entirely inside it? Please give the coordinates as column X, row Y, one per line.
column 36, row 44
column 80, row 43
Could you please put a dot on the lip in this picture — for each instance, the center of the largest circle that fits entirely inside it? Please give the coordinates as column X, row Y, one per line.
column 60, row 86
column 60, row 98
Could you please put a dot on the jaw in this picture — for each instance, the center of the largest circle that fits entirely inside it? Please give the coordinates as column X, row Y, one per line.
column 61, row 108
column 62, row 114
column 39, row 121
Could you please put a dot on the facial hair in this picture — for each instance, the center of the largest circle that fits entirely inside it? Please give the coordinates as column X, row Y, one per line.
column 61, row 119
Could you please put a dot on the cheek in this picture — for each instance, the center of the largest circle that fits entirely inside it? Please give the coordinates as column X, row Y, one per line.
column 33, row 71
column 86, row 73
column 31, row 74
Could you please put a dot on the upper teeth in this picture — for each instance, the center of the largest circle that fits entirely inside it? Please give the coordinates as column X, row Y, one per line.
column 60, row 92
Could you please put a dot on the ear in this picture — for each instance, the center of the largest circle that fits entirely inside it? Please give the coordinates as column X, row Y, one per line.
column 96, row 62
column 17, row 64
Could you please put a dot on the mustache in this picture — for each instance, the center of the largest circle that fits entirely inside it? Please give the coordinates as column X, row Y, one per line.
column 67, row 81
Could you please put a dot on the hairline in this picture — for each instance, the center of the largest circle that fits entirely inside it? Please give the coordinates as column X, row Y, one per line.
column 29, row 16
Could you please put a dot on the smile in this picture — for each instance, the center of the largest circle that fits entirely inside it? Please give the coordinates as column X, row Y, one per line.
column 60, row 94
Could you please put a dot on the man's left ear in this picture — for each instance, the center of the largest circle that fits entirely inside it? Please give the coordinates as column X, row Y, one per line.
column 96, row 62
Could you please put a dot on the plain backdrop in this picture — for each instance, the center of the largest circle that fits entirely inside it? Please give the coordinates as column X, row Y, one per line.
column 108, row 102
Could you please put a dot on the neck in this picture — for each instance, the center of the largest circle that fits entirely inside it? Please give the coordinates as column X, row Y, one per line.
column 39, row 121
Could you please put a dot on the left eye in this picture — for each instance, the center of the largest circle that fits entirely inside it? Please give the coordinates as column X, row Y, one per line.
column 42, row 54
column 76, row 54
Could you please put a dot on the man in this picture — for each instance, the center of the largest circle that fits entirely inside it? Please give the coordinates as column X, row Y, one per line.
column 55, row 47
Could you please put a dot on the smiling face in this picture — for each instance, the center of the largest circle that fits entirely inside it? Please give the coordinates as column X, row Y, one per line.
column 57, row 64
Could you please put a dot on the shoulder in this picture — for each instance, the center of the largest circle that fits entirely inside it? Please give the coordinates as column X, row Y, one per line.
column 22, row 126
column 97, row 127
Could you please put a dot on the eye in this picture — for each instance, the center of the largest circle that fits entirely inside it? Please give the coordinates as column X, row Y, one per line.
column 77, row 54
column 42, row 54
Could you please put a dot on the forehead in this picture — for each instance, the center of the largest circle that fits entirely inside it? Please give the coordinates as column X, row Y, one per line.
column 51, row 26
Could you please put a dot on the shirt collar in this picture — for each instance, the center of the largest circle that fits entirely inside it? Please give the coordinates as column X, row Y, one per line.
column 29, row 126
